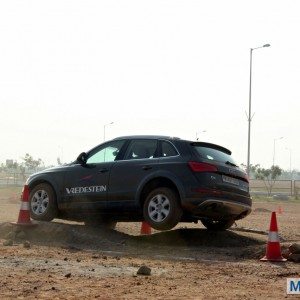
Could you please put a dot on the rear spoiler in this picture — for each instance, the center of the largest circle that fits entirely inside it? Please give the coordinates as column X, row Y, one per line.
column 213, row 146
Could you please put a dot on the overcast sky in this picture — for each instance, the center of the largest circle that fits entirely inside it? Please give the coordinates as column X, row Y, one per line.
column 151, row 67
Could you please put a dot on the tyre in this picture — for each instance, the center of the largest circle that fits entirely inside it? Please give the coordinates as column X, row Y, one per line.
column 101, row 223
column 217, row 225
column 42, row 203
column 162, row 210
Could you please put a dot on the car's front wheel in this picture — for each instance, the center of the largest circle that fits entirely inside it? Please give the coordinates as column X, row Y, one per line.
column 217, row 225
column 42, row 202
column 162, row 210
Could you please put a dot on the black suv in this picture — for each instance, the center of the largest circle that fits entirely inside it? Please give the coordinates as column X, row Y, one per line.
column 162, row 180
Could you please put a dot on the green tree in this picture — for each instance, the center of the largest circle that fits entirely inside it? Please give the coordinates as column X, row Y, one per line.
column 268, row 176
column 30, row 163
column 2, row 167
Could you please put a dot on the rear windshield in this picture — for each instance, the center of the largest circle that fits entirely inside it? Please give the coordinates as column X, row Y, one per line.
column 213, row 154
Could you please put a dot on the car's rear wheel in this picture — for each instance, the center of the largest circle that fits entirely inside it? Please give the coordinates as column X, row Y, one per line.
column 217, row 225
column 162, row 210
column 101, row 223
column 42, row 203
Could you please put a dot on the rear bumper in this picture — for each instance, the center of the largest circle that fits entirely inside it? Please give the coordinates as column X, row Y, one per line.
column 218, row 208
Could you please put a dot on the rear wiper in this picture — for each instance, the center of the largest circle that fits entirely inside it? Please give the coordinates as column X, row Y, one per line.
column 230, row 163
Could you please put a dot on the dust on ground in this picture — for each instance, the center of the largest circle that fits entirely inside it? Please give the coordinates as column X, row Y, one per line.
column 70, row 261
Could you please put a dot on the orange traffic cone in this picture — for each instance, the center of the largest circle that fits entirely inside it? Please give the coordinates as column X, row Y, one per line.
column 24, row 214
column 273, row 251
column 145, row 228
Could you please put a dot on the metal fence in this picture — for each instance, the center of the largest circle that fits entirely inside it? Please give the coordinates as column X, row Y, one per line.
column 257, row 187
column 296, row 188
column 283, row 187
column 13, row 179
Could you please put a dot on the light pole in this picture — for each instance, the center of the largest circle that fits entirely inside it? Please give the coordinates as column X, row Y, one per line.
column 290, row 161
column 274, row 148
column 104, row 129
column 249, row 112
column 197, row 133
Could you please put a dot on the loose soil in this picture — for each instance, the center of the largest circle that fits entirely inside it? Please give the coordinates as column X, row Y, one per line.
column 67, row 260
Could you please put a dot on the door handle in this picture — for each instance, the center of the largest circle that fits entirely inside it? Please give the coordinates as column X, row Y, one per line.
column 104, row 170
column 147, row 168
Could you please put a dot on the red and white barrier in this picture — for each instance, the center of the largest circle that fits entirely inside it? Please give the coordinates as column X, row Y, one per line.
column 24, row 214
column 273, row 251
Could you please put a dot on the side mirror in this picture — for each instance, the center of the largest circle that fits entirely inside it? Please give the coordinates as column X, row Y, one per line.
column 115, row 153
column 82, row 158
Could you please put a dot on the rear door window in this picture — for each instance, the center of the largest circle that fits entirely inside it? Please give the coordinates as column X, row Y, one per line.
column 141, row 149
column 167, row 149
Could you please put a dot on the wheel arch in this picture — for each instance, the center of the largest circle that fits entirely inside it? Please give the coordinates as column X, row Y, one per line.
column 158, row 180
column 38, row 181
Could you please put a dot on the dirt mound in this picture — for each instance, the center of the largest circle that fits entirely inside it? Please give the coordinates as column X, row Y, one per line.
column 91, row 237
column 200, row 237
column 61, row 233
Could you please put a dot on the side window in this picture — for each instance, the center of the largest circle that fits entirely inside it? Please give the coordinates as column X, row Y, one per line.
column 107, row 153
column 140, row 149
column 167, row 149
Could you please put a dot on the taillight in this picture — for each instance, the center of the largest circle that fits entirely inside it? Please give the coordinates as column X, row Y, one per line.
column 25, row 193
column 202, row 167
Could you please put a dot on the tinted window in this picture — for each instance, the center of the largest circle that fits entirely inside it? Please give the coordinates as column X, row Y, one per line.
column 140, row 149
column 167, row 149
column 106, row 153
column 213, row 154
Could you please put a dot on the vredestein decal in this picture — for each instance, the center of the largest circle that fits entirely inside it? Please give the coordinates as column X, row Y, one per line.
column 86, row 189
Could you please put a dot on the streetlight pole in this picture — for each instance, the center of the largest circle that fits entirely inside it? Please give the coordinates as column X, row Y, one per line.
column 249, row 111
column 274, row 147
column 104, row 129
